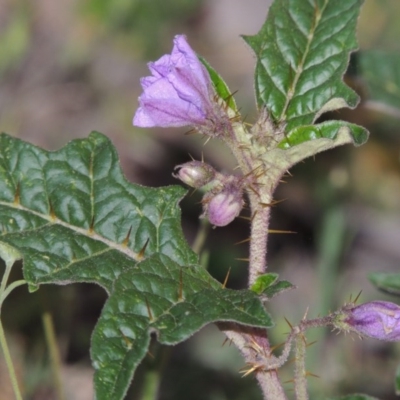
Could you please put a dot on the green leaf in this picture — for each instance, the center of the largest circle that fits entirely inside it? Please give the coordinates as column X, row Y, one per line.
column 264, row 282
column 219, row 85
column 277, row 288
column 268, row 286
column 328, row 130
column 75, row 218
column 387, row 282
column 381, row 73
column 302, row 53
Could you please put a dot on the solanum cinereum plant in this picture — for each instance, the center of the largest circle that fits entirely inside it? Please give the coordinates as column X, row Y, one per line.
column 72, row 216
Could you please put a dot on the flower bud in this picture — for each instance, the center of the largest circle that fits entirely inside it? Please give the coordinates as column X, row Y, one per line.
column 195, row 173
column 376, row 319
column 224, row 207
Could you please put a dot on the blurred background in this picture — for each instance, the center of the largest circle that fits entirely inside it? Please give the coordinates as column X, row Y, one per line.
column 71, row 66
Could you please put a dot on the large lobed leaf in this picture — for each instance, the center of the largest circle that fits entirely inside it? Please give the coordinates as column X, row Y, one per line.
column 302, row 53
column 75, row 218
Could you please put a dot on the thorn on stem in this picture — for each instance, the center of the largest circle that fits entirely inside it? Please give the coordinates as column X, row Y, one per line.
column 226, row 278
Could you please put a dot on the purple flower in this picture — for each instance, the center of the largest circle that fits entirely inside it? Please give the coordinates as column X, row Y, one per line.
column 224, row 207
column 178, row 93
column 376, row 319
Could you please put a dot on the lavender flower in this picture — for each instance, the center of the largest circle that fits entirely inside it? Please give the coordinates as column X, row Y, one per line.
column 376, row 319
column 179, row 93
column 224, row 207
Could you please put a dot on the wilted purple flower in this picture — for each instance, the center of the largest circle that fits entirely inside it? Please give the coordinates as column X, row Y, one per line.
column 178, row 93
column 376, row 319
column 224, row 207
column 195, row 173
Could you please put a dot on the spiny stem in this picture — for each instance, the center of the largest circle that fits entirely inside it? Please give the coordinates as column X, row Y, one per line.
column 268, row 380
column 9, row 363
column 259, row 236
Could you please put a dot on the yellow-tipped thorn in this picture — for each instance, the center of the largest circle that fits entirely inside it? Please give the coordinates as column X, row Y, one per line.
column 51, row 212
column 226, row 278
column 16, row 195
column 143, row 250
column 280, row 231
column 91, row 227
column 207, row 140
column 311, row 343
column 191, row 132
column 243, row 259
column 287, row 321
column 289, row 381
column 273, row 348
column 308, row 373
column 243, row 241
column 356, row 299
column 125, row 242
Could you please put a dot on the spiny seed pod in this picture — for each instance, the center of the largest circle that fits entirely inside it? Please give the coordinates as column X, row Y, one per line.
column 376, row 319
column 224, row 207
column 195, row 173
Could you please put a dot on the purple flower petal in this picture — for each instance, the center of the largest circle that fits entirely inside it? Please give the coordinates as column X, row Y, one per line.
column 178, row 93
column 376, row 319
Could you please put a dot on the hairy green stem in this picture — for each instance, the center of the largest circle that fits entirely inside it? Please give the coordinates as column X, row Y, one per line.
column 259, row 236
column 54, row 353
column 260, row 194
column 9, row 363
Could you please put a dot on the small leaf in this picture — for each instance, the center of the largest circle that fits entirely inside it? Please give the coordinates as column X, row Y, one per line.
column 268, row 286
column 219, row 85
column 277, row 288
column 381, row 73
column 263, row 282
column 387, row 282
column 328, row 130
column 302, row 53
column 74, row 217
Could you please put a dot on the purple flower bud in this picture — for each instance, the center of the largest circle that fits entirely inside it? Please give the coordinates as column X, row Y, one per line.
column 224, row 207
column 195, row 173
column 178, row 93
column 376, row 319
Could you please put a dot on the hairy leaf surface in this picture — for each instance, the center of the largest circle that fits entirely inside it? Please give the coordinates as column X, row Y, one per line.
column 74, row 217
column 302, row 53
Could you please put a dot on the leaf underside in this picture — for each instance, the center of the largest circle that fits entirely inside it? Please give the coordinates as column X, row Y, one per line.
column 74, row 217
column 302, row 53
